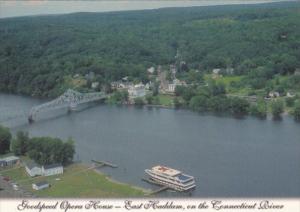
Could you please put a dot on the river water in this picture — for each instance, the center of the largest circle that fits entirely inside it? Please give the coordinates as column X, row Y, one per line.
column 228, row 157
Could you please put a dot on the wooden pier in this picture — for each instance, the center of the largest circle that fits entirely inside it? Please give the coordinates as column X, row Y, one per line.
column 162, row 188
column 105, row 163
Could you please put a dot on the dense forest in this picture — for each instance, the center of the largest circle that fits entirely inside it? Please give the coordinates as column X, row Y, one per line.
column 38, row 53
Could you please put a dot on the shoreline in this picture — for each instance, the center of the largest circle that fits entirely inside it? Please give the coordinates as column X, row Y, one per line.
column 99, row 186
column 146, row 191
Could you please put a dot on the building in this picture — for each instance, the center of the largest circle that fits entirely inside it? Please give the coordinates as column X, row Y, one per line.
column 40, row 185
column 9, row 161
column 95, row 85
column 90, row 75
column 274, row 94
column 151, row 70
column 137, row 91
column 216, row 71
column 148, row 85
column 52, row 169
column 125, row 79
column 2, row 163
column 172, row 86
column 173, row 69
column 33, row 169
column 229, row 71
column 120, row 85
column 290, row 95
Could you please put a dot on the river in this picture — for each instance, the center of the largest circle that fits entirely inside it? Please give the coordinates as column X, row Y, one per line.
column 228, row 157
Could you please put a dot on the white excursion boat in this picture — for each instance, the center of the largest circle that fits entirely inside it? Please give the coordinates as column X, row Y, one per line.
column 172, row 178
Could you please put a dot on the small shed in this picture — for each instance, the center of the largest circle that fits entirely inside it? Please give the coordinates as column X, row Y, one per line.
column 40, row 185
column 52, row 169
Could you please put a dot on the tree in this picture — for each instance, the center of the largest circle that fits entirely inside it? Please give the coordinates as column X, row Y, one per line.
column 149, row 99
column 239, row 106
column 219, row 104
column 176, row 102
column 198, row 103
column 68, row 151
column 187, row 94
column 259, row 109
column 20, row 144
column 216, row 88
column 296, row 111
column 155, row 88
column 139, row 101
column 5, row 138
column 277, row 108
column 290, row 101
column 47, row 150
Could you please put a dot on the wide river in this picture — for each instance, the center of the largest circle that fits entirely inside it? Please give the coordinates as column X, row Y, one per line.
column 228, row 157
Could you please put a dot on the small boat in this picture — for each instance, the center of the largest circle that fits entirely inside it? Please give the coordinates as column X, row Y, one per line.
column 171, row 177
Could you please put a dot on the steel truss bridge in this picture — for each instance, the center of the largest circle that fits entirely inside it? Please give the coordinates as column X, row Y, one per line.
column 70, row 99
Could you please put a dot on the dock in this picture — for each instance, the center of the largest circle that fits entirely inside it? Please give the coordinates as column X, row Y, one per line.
column 105, row 163
column 163, row 188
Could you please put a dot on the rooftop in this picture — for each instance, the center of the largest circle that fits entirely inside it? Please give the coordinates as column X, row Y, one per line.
column 184, row 177
column 41, row 183
column 10, row 158
column 51, row 166
column 166, row 170
column 31, row 165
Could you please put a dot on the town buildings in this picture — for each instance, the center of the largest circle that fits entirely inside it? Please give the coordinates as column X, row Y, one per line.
column 137, row 91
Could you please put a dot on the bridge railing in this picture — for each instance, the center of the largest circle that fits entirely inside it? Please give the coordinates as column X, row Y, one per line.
column 68, row 99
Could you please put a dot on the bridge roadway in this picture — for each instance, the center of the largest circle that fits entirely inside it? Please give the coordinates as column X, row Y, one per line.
column 70, row 99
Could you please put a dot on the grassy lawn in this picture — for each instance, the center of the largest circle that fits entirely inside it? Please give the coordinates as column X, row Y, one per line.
column 77, row 181
column 228, row 79
column 165, row 100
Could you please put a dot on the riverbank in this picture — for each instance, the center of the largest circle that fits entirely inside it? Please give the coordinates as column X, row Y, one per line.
column 78, row 180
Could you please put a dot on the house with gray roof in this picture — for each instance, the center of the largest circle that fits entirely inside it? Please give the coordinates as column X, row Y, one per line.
column 40, row 185
column 9, row 161
column 52, row 169
column 33, row 169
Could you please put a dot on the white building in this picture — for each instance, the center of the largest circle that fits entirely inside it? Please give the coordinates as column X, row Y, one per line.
column 40, row 185
column 33, row 169
column 9, row 161
column 290, row 95
column 95, row 85
column 137, row 91
column 216, row 71
column 120, row 85
column 274, row 94
column 151, row 70
column 52, row 169
column 172, row 86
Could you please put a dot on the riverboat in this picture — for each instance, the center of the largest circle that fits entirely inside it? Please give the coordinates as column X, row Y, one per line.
column 171, row 178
